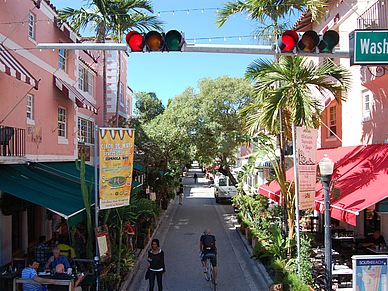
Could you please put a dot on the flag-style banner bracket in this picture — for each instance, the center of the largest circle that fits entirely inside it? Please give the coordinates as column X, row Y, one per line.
column 116, row 166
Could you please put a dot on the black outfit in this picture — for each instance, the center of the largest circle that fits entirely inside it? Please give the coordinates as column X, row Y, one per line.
column 157, row 268
column 209, row 247
column 377, row 242
column 60, row 276
column 195, row 178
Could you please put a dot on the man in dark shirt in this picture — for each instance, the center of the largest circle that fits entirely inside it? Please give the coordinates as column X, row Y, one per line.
column 374, row 240
column 61, row 275
column 207, row 245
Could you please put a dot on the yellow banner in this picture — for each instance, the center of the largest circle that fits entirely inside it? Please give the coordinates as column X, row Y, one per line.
column 116, row 165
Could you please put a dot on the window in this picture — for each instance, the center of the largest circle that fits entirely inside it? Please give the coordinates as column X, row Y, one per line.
column 30, row 107
column 333, row 121
column 62, row 59
column 121, row 93
column 85, row 131
column 61, row 122
column 31, row 26
column 85, row 80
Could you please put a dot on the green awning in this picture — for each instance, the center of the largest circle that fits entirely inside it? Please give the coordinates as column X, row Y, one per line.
column 59, row 192
column 54, row 185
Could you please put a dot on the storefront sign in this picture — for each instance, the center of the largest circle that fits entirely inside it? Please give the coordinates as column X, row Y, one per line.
column 116, row 165
column 306, row 148
column 368, row 47
column 370, row 273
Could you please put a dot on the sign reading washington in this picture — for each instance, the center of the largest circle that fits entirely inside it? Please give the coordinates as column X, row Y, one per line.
column 368, row 47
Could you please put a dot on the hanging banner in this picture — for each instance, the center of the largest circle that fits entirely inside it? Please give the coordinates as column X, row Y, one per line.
column 306, row 148
column 116, row 165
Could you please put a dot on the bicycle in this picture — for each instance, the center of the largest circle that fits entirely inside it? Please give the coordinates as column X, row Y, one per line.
column 209, row 276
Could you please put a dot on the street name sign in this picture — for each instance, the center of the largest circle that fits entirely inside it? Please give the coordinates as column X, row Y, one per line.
column 368, row 47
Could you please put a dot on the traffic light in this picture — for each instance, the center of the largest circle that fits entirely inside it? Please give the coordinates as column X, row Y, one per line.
column 135, row 40
column 287, row 41
column 173, row 40
column 308, row 42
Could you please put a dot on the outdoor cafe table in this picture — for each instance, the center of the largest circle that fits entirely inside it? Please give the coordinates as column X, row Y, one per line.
column 6, row 280
column 343, row 272
column 380, row 251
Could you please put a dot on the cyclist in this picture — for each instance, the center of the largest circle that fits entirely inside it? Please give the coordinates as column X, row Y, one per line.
column 207, row 245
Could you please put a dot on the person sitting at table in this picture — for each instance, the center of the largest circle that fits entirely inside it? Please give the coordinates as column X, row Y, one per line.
column 65, row 248
column 43, row 255
column 57, row 259
column 30, row 273
column 61, row 275
column 374, row 240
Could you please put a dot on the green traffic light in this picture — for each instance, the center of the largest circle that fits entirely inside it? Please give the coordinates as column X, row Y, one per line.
column 331, row 38
column 174, row 40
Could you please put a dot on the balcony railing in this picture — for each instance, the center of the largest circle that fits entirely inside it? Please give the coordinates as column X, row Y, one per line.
column 12, row 141
column 375, row 17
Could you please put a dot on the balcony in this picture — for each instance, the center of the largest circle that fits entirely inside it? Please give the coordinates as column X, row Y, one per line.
column 374, row 17
column 12, row 142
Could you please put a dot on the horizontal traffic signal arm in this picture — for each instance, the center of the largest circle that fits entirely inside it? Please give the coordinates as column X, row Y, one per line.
column 193, row 47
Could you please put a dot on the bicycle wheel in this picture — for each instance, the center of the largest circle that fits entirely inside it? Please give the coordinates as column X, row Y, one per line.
column 211, row 277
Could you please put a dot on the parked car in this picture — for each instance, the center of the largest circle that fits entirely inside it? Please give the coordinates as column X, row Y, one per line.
column 223, row 188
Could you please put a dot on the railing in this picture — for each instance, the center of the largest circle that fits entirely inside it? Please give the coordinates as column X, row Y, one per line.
column 12, row 141
column 375, row 17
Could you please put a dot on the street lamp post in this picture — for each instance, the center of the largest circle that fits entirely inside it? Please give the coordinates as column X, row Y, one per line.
column 326, row 166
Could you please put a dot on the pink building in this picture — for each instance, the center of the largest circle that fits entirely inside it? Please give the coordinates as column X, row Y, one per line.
column 51, row 101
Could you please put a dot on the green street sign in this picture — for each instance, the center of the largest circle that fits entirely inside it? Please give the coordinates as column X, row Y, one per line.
column 368, row 47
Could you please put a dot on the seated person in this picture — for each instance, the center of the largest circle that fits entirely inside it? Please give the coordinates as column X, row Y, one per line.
column 30, row 273
column 64, row 247
column 374, row 240
column 61, row 275
column 42, row 256
column 56, row 259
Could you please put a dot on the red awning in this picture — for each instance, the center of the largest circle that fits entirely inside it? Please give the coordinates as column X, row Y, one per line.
column 361, row 174
column 74, row 94
column 12, row 67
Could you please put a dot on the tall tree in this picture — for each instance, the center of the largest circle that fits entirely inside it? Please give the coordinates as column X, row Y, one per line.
column 147, row 106
column 301, row 82
column 130, row 15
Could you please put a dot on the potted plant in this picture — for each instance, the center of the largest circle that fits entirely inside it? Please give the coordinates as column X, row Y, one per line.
column 252, row 233
column 245, row 225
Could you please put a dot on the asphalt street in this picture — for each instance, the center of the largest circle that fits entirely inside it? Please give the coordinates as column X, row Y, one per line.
column 179, row 235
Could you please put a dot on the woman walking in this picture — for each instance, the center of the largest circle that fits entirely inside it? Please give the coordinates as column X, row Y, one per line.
column 156, row 267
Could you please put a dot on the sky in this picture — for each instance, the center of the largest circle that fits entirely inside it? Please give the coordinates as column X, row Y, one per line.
column 169, row 74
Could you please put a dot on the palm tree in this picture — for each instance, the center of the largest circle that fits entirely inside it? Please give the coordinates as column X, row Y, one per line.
column 97, row 14
column 270, row 14
column 104, row 16
column 128, row 16
column 300, row 80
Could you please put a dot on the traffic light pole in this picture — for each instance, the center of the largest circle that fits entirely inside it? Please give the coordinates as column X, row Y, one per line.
column 199, row 48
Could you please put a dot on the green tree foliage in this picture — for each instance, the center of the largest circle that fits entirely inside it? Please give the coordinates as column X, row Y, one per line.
column 270, row 17
column 147, row 106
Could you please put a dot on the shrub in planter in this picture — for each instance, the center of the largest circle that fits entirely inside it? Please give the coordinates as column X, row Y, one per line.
column 240, row 218
column 252, row 232
column 247, row 223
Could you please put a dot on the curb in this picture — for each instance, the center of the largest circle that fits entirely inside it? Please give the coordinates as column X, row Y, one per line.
column 128, row 278
column 258, row 263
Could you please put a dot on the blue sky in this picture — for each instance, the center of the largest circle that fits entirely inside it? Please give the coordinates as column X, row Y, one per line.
column 169, row 74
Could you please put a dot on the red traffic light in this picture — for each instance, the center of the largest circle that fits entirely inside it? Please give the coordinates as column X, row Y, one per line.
column 309, row 41
column 135, row 40
column 154, row 41
column 288, row 40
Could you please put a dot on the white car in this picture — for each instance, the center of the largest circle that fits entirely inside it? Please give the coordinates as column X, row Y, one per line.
column 223, row 188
